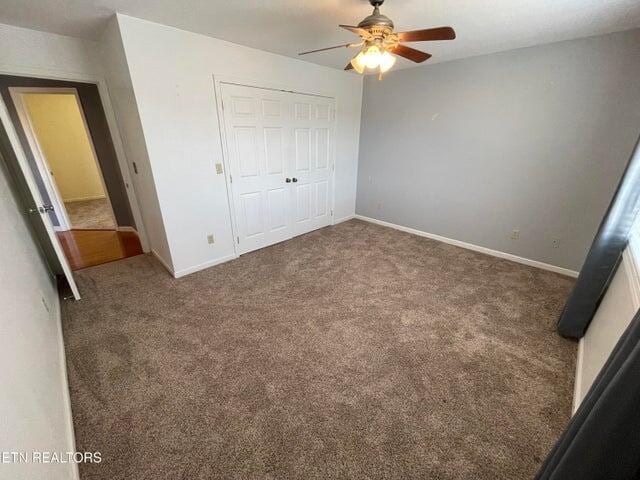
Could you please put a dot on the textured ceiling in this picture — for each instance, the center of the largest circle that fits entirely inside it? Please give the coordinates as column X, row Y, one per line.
column 290, row 26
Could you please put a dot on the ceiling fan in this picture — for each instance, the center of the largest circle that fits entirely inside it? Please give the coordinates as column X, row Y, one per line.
column 379, row 42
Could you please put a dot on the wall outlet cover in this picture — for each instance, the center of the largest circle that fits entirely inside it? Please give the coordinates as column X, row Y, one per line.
column 218, row 168
column 515, row 234
column 210, row 239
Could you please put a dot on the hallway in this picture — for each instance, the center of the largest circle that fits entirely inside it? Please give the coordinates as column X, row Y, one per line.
column 90, row 214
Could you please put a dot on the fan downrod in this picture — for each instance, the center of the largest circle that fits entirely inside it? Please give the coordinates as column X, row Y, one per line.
column 376, row 3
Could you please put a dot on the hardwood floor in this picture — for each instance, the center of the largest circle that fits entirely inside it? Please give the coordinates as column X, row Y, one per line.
column 87, row 248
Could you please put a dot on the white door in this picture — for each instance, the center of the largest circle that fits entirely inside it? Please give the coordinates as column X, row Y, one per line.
column 256, row 121
column 45, row 171
column 280, row 161
column 39, row 207
column 312, row 162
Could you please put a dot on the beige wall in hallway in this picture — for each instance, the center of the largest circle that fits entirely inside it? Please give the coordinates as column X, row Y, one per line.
column 60, row 130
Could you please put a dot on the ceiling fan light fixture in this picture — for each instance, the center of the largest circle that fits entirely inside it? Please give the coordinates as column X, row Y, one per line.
column 381, row 43
column 386, row 62
column 372, row 56
column 358, row 62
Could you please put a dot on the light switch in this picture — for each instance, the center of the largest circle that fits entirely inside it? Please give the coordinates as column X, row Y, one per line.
column 218, row 168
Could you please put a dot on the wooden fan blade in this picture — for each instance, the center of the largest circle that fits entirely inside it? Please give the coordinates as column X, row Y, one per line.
column 356, row 30
column 349, row 66
column 328, row 48
column 411, row 53
column 429, row 34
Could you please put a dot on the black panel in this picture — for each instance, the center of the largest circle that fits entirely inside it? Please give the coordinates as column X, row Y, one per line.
column 605, row 253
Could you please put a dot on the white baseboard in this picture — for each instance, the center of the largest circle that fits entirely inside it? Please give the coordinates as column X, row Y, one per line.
column 195, row 268
column 64, row 379
column 127, row 229
column 83, row 199
column 202, row 266
column 471, row 246
column 344, row 219
column 164, row 263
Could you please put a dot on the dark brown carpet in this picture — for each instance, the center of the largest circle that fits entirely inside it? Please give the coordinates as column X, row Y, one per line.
column 353, row 352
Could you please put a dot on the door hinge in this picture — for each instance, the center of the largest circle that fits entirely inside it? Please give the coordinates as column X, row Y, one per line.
column 332, row 213
column 135, row 168
column 238, row 239
column 222, row 103
column 230, row 178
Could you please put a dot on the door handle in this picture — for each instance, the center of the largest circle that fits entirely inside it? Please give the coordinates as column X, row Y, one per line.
column 288, row 180
column 294, row 179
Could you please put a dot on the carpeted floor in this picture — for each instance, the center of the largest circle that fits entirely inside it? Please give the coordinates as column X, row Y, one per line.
column 90, row 214
column 353, row 352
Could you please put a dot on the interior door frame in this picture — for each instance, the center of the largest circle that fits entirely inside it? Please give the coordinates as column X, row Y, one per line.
column 40, row 160
column 17, row 94
column 105, row 100
column 218, row 81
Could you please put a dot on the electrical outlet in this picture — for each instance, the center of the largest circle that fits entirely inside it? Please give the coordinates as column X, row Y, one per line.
column 555, row 242
column 218, row 168
column 210, row 239
column 515, row 234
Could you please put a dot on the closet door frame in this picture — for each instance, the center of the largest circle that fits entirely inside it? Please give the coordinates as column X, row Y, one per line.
column 218, row 81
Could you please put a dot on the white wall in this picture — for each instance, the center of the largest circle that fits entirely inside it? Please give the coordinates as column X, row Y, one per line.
column 32, row 52
column 171, row 72
column 534, row 139
column 34, row 408
column 133, row 141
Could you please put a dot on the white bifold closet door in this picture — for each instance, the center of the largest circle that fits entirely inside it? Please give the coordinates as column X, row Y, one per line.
column 281, row 157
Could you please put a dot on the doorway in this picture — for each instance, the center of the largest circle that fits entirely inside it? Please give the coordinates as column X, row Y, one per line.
column 63, row 146
column 57, row 132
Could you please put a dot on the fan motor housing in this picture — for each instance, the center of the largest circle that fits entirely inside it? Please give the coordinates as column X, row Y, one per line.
column 376, row 19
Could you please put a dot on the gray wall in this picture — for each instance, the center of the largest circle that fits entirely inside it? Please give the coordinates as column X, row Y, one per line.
column 10, row 168
column 34, row 408
column 533, row 139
